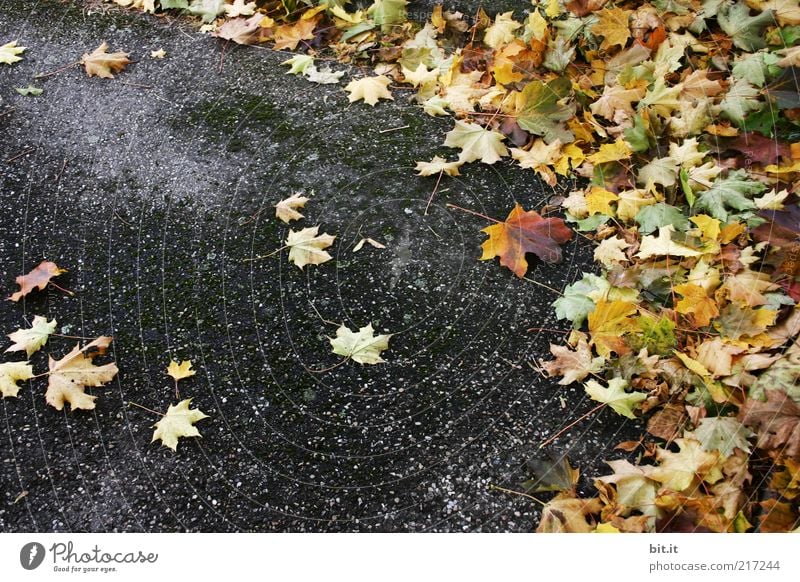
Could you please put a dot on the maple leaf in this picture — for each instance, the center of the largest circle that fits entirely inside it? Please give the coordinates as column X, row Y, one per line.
column 207, row 10
column 437, row 166
column 101, row 63
column 745, row 30
column 9, row 52
column 539, row 157
column 10, row 374
column 363, row 346
column 776, row 421
column 370, row 89
column 611, row 152
column 608, row 322
column 176, row 423
column 70, row 375
column 476, row 143
column 783, row 374
column 288, row 36
column 420, row 76
column 299, row 64
column 598, row 201
column 609, row 251
column 38, row 278
column 612, row 25
column 663, row 245
column 574, row 366
column 723, row 434
column 306, row 246
column 635, row 490
column 615, row 396
column 32, row 339
column 240, row 8
column 180, row 371
column 550, row 473
column 735, row 322
column 541, row 111
column 696, row 302
column 566, row 514
column 502, row 31
column 685, row 469
column 286, row 208
column 240, row 30
column 525, row 232
column 733, row 191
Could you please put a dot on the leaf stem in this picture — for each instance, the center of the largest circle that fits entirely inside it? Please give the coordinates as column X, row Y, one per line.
column 493, row 487
column 145, row 408
column 474, row 213
column 57, row 71
column 570, row 425
column 275, row 252
column 435, row 188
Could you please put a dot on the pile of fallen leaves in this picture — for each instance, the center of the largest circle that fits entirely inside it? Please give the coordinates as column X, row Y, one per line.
column 683, row 116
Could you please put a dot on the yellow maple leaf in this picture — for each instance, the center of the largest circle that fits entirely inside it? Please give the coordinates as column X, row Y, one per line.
column 611, row 152
column 370, row 89
column 70, row 375
column 685, row 469
column 306, row 246
column 502, row 31
column 697, row 303
column 286, row 209
column 10, row 374
column 437, row 166
column 571, row 157
column 180, row 371
column 176, row 423
column 709, row 227
column 609, row 321
column 631, row 202
column 612, row 25
column 101, row 63
column 598, row 201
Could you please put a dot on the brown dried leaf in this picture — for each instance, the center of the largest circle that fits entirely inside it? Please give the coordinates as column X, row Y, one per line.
column 38, row 278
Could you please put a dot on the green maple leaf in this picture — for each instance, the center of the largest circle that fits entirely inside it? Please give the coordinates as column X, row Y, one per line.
column 179, row 4
column 388, row 12
column 740, row 100
column 658, row 336
column 615, row 396
column 746, row 31
column 574, row 304
column 542, row 114
column 363, row 346
column 734, row 191
column 208, row 10
column 723, row 434
column 651, row 218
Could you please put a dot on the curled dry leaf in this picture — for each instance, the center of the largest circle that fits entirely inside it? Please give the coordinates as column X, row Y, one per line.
column 100, row 63
column 38, row 278
column 286, row 210
column 10, row 374
column 32, row 339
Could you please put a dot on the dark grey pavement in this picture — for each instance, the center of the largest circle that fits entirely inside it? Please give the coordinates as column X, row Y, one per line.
column 154, row 189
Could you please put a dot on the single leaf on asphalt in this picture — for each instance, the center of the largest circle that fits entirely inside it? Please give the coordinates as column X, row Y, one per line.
column 615, row 396
column 100, row 63
column 476, row 143
column 550, row 473
column 286, row 209
column 176, row 423
column 32, row 339
column 38, row 278
column 28, row 91
column 9, row 53
column 70, row 376
column 525, row 232
column 306, row 246
column 370, row 89
column 180, row 371
column 363, row 346
column 436, row 166
column 10, row 374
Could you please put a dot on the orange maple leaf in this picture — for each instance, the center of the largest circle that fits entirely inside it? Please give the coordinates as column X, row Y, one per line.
column 697, row 303
column 288, row 36
column 39, row 277
column 525, row 232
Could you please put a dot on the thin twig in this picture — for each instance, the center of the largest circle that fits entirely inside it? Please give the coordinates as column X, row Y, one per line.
column 570, row 425
column 493, row 487
column 556, row 291
column 145, row 408
column 57, row 71
column 394, row 129
column 474, row 213
column 435, row 187
column 20, row 154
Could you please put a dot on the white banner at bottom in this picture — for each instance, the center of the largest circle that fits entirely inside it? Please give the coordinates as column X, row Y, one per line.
column 399, row 557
